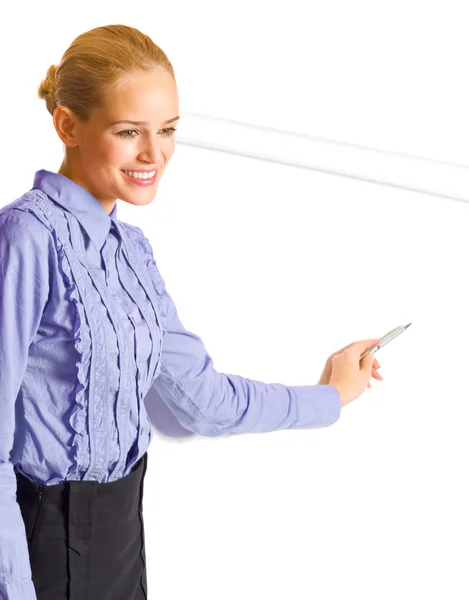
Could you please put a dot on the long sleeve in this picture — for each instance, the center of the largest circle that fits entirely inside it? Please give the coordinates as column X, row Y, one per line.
column 24, row 288
column 212, row 403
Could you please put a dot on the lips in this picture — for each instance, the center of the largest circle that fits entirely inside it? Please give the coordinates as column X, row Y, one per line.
column 141, row 178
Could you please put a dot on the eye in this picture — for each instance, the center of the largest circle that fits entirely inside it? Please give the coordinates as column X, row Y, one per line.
column 169, row 131
column 128, row 133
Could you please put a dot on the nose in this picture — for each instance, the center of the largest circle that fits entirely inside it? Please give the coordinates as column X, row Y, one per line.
column 150, row 151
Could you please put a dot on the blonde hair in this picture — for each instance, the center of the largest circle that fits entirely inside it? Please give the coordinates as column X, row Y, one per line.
column 94, row 62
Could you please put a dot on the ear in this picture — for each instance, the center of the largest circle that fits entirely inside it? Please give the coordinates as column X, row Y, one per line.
column 65, row 124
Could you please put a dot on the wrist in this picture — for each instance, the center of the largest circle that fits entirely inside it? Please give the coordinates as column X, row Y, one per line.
column 340, row 391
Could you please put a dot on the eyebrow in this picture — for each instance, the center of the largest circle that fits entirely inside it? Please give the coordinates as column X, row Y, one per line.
column 141, row 123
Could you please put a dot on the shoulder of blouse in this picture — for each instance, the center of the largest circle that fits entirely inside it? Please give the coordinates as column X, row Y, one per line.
column 132, row 231
column 144, row 247
column 136, row 235
column 20, row 226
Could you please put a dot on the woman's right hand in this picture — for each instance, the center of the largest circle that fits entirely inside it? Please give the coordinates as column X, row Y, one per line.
column 349, row 375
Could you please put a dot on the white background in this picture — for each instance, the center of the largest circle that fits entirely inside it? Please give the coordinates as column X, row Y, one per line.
column 276, row 268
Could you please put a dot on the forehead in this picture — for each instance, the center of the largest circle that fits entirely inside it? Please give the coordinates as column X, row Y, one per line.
column 142, row 96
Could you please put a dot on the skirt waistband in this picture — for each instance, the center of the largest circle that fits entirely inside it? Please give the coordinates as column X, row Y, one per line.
column 72, row 501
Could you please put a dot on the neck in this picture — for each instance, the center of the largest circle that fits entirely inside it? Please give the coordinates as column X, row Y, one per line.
column 67, row 169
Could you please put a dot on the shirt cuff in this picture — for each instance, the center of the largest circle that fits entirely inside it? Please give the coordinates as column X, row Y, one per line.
column 22, row 590
column 317, row 406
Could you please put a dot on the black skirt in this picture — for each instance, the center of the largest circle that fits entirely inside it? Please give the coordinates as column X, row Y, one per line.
column 86, row 539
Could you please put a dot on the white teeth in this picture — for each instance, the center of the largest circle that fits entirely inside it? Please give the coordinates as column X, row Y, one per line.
column 140, row 174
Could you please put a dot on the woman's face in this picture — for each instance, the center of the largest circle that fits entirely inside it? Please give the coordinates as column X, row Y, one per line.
column 124, row 147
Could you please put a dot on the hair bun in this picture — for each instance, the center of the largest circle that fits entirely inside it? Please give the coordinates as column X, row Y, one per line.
column 46, row 90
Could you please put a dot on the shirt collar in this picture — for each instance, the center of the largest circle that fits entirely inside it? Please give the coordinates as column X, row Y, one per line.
column 79, row 202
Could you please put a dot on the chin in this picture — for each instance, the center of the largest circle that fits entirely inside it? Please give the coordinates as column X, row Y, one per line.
column 139, row 199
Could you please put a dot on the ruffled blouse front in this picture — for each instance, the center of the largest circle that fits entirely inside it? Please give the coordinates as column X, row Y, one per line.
column 98, row 346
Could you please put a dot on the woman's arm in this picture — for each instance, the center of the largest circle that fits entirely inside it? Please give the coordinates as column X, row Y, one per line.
column 212, row 403
column 24, row 289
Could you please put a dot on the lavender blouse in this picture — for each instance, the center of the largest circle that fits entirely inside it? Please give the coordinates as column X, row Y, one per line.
column 86, row 327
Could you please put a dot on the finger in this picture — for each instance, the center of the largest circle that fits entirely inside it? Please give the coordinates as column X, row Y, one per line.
column 376, row 375
column 368, row 343
column 369, row 385
column 376, row 364
column 359, row 347
column 366, row 363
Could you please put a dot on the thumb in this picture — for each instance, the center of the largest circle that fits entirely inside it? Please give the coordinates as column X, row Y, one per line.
column 358, row 348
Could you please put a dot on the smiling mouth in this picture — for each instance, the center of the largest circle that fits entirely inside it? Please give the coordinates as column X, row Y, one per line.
column 140, row 174
column 141, row 178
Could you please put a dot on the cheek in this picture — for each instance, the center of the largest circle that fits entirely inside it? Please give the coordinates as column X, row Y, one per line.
column 120, row 152
column 169, row 150
column 112, row 152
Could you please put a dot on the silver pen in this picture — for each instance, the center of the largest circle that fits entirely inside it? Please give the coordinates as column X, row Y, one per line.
column 386, row 339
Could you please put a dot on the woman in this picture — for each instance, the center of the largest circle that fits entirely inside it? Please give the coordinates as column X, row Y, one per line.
column 87, row 326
